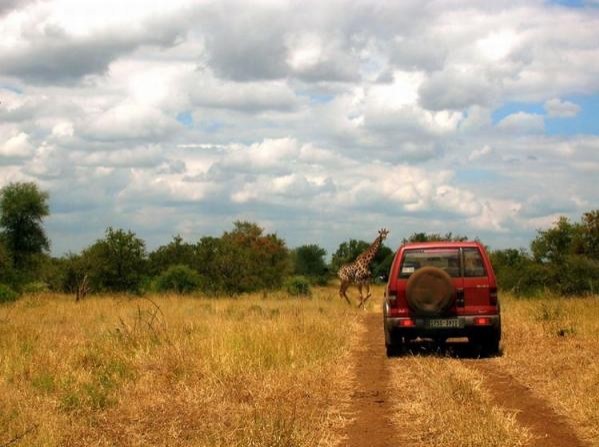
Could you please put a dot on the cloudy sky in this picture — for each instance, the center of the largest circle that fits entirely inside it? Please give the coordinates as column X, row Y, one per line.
column 318, row 120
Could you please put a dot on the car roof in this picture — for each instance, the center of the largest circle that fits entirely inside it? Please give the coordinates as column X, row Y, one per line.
column 440, row 244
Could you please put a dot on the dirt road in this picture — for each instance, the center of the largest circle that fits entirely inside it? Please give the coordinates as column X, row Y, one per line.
column 371, row 407
column 372, row 402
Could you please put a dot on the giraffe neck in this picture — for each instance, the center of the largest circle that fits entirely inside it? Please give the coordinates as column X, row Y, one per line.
column 370, row 253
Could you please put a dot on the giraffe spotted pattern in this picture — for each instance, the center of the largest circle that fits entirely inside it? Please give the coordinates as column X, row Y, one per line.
column 358, row 272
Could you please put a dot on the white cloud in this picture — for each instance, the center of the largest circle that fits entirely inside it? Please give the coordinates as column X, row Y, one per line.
column 563, row 109
column 522, row 122
column 16, row 146
column 129, row 120
column 477, row 154
column 321, row 125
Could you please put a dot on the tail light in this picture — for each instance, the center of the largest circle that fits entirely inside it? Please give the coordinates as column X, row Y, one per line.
column 482, row 321
column 493, row 296
column 407, row 323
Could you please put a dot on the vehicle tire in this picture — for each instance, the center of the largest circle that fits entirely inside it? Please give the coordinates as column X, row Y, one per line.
column 490, row 344
column 429, row 291
column 394, row 347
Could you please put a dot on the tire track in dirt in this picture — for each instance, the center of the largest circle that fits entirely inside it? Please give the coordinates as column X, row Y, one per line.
column 548, row 428
column 370, row 403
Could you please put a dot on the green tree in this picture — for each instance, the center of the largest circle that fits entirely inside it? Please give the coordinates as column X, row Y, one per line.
column 347, row 252
column 178, row 279
column 382, row 268
column 589, row 233
column 116, row 263
column 6, row 270
column 308, row 261
column 253, row 260
column 176, row 252
column 434, row 237
column 554, row 244
column 23, row 207
column 350, row 250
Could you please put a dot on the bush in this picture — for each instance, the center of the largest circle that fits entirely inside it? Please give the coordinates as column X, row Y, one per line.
column 576, row 275
column 298, row 286
column 36, row 287
column 7, row 295
column 178, row 279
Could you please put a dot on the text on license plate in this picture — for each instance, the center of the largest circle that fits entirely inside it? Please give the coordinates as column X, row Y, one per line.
column 444, row 323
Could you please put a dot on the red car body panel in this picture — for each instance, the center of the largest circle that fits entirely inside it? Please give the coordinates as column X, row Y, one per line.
column 474, row 310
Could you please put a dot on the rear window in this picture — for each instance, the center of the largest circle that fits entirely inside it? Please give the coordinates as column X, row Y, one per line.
column 473, row 263
column 447, row 259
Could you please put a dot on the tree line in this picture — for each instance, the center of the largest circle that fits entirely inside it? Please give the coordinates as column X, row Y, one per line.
column 564, row 258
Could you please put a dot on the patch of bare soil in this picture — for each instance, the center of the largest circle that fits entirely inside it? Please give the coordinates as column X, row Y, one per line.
column 370, row 403
column 548, row 428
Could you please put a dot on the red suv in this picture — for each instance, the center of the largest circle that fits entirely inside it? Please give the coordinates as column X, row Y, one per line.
column 440, row 290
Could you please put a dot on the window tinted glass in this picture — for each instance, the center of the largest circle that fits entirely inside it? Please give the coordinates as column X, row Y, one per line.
column 473, row 263
column 445, row 259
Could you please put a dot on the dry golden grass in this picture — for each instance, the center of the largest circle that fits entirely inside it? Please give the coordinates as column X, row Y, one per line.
column 441, row 402
column 552, row 345
column 251, row 371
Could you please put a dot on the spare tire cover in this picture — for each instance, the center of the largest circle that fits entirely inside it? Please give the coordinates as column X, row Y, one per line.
column 429, row 290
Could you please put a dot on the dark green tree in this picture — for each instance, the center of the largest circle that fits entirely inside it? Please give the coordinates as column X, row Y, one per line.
column 23, row 207
column 176, row 252
column 253, row 260
column 308, row 261
column 350, row 250
column 434, row 237
column 347, row 252
column 116, row 263
column 6, row 268
column 382, row 268
column 589, row 234
column 178, row 279
column 554, row 244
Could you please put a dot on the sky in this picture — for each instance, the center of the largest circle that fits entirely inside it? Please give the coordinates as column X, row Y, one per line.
column 320, row 121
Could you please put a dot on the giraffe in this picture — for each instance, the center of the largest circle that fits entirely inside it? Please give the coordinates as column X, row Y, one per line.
column 358, row 272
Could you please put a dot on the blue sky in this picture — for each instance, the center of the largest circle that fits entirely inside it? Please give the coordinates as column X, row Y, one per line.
column 181, row 117
column 585, row 122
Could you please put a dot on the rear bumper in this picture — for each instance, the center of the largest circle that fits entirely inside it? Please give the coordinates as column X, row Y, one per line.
column 425, row 327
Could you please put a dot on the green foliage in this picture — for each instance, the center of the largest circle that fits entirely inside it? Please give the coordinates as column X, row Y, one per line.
column 7, row 295
column 350, row 250
column 36, row 287
column 554, row 244
column 347, row 252
column 589, row 234
column 434, row 237
column 564, row 260
column 574, row 275
column 22, row 208
column 308, row 261
column 382, row 269
column 176, row 252
column 116, row 263
column 6, row 267
column 511, row 267
column 298, row 286
column 179, row 279
column 250, row 260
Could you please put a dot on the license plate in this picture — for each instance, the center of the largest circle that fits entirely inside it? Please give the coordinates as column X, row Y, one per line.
column 445, row 323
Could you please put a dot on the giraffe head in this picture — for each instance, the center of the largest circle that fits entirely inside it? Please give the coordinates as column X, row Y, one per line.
column 383, row 232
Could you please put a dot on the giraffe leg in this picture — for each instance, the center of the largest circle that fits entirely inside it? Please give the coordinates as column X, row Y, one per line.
column 368, row 295
column 361, row 295
column 343, row 289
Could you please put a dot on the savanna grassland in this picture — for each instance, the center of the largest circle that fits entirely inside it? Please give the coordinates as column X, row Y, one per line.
column 272, row 370
column 252, row 371
column 550, row 345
